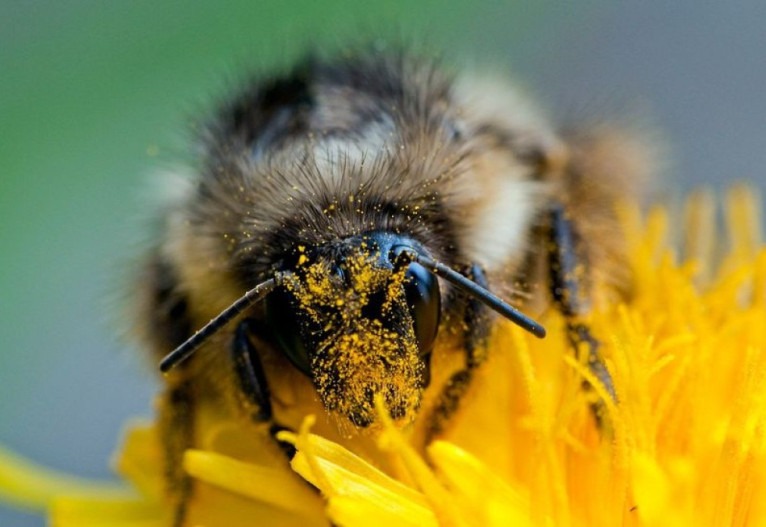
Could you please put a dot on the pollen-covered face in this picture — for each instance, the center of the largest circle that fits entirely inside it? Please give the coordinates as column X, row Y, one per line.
column 360, row 322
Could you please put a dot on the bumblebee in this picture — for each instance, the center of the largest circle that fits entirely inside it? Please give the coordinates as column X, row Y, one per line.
column 346, row 219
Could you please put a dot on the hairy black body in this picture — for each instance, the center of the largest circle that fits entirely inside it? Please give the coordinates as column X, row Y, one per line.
column 319, row 180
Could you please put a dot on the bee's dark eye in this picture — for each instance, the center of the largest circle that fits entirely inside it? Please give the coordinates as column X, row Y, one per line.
column 285, row 323
column 424, row 300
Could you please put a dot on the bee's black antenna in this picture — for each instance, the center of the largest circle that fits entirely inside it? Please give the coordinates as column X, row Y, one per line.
column 475, row 290
column 253, row 296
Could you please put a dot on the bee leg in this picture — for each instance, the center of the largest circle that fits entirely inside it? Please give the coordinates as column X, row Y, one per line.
column 249, row 370
column 476, row 322
column 252, row 379
column 176, row 428
column 476, row 330
column 570, row 285
column 167, row 326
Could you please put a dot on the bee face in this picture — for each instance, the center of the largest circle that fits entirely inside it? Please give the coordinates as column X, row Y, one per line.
column 359, row 320
column 345, row 195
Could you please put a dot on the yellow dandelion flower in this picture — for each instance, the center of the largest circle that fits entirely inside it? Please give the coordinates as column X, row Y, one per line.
column 682, row 444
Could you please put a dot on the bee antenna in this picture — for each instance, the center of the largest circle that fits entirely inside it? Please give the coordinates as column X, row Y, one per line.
column 252, row 297
column 478, row 292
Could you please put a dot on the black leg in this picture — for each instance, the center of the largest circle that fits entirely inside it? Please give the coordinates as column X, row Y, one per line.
column 176, row 425
column 476, row 330
column 570, row 288
column 252, row 379
column 476, row 322
column 249, row 370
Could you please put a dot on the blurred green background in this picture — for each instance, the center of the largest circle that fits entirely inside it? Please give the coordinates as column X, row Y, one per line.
column 96, row 95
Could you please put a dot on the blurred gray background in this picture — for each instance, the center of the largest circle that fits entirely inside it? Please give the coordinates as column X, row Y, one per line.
column 94, row 94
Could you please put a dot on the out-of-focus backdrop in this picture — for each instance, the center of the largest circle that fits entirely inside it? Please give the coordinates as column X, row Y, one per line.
column 94, row 96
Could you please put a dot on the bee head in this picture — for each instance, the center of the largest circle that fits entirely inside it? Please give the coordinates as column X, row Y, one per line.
column 359, row 317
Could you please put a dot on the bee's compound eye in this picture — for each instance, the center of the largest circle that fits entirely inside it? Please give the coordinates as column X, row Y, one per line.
column 285, row 323
column 424, row 300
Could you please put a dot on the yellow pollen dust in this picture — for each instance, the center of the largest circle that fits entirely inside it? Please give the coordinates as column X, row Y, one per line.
column 360, row 355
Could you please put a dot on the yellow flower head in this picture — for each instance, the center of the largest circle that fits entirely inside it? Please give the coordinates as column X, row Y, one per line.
column 682, row 443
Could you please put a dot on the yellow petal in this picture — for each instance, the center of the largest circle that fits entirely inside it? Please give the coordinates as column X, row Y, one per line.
column 355, row 489
column 31, row 486
column 93, row 512
column 327, row 451
column 476, row 487
column 267, row 485
column 141, row 459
